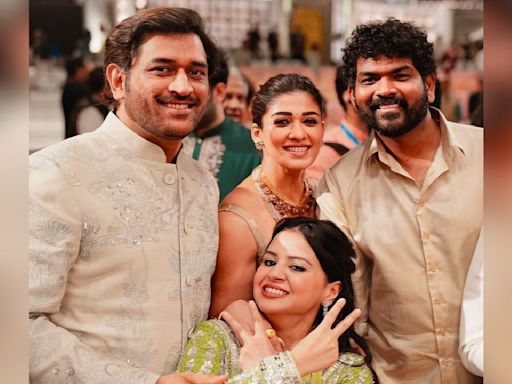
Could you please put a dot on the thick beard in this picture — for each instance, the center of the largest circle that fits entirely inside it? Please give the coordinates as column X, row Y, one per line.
column 413, row 115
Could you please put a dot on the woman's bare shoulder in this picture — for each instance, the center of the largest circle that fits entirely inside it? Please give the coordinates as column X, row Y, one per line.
column 244, row 196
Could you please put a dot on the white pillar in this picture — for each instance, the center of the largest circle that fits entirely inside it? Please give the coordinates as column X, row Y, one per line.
column 123, row 9
column 95, row 19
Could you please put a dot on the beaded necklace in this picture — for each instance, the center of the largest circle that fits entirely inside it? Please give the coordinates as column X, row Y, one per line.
column 280, row 207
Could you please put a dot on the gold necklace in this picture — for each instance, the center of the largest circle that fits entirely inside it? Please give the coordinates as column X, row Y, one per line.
column 280, row 207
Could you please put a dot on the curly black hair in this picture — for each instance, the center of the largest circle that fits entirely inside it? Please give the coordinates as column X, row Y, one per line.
column 393, row 39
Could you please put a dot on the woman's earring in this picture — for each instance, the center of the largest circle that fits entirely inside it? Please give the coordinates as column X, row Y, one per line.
column 259, row 145
column 325, row 309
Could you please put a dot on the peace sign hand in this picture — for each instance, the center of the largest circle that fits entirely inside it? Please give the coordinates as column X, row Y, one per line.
column 255, row 345
column 319, row 349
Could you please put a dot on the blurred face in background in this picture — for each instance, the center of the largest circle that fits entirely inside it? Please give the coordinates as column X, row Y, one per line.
column 236, row 104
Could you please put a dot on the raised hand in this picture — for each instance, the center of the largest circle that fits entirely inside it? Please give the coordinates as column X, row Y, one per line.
column 256, row 345
column 319, row 349
column 241, row 312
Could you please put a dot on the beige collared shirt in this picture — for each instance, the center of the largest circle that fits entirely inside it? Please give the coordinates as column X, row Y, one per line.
column 122, row 248
column 414, row 246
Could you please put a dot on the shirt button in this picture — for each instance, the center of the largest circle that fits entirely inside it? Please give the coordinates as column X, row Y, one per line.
column 421, row 203
column 55, row 371
column 446, row 362
column 441, row 331
column 187, row 228
column 426, row 235
column 189, row 281
column 169, row 179
column 70, row 371
column 438, row 301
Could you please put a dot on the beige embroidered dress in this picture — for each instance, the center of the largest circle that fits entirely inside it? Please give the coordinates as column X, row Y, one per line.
column 122, row 248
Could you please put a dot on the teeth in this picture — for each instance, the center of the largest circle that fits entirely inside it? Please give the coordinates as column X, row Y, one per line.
column 296, row 149
column 274, row 291
column 178, row 106
column 388, row 106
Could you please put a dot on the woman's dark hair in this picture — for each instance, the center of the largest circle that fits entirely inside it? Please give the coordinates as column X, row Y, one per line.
column 279, row 85
column 393, row 39
column 334, row 252
column 123, row 43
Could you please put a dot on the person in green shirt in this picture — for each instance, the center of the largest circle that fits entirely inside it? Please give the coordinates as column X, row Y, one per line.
column 303, row 287
column 221, row 145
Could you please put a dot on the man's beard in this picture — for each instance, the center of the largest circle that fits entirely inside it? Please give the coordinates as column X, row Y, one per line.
column 209, row 115
column 412, row 115
column 138, row 109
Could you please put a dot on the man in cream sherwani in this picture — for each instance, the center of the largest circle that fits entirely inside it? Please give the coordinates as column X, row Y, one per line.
column 123, row 225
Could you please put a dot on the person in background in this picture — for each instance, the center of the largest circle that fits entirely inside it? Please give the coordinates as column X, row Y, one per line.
column 90, row 112
column 239, row 93
column 123, row 225
column 411, row 201
column 74, row 90
column 299, row 287
column 221, row 145
column 471, row 334
column 273, row 45
column 288, row 129
column 339, row 139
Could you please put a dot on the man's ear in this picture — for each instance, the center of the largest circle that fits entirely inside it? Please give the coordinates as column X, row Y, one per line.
column 430, row 85
column 351, row 95
column 219, row 91
column 116, row 79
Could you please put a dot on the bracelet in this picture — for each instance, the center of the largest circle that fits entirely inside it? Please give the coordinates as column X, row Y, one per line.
column 280, row 368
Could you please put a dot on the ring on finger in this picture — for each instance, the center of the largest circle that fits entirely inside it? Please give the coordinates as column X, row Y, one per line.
column 270, row 332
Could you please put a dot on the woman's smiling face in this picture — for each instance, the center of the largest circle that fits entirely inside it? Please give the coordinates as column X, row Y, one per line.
column 290, row 279
column 292, row 130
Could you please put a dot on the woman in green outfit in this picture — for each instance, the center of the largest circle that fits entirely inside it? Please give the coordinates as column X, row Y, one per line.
column 303, row 288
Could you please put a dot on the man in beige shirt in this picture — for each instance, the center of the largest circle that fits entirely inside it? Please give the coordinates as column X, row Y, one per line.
column 410, row 199
column 123, row 225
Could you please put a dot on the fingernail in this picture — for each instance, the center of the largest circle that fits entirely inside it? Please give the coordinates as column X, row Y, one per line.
column 220, row 315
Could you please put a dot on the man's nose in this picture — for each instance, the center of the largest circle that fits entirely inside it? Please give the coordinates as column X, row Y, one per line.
column 180, row 84
column 386, row 87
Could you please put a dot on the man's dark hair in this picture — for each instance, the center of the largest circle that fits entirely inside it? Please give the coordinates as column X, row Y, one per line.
column 72, row 65
column 250, row 87
column 341, row 85
column 123, row 43
column 221, row 74
column 393, row 39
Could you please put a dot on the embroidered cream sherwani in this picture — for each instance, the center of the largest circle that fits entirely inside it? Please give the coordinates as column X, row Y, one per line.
column 414, row 246
column 122, row 248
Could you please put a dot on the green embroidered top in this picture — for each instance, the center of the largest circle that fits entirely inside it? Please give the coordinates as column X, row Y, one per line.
column 212, row 348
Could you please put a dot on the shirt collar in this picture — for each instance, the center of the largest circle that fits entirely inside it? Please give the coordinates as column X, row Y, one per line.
column 449, row 141
column 131, row 141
